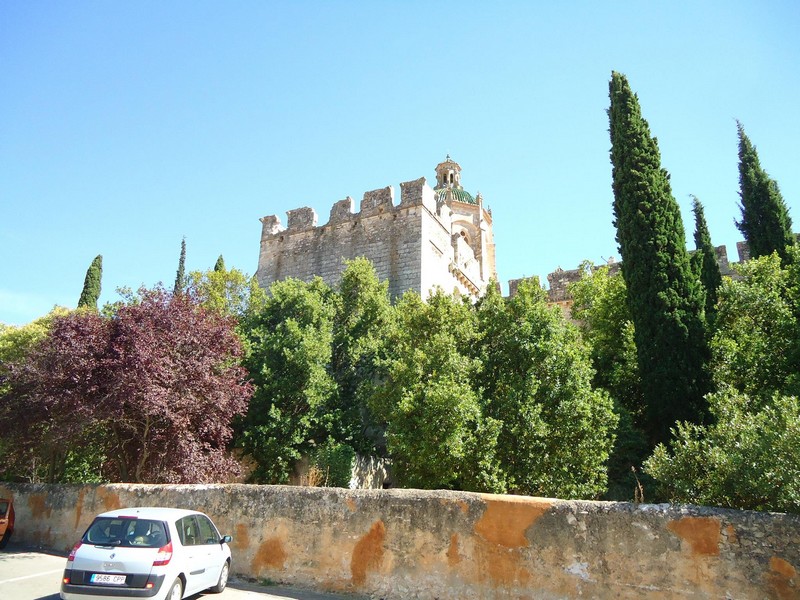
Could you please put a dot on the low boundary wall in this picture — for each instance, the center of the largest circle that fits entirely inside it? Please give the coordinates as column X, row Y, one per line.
column 439, row 544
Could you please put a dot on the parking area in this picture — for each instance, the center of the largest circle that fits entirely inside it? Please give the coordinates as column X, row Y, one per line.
column 33, row 575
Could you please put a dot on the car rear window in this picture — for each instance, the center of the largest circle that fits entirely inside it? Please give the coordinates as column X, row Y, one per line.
column 3, row 508
column 116, row 531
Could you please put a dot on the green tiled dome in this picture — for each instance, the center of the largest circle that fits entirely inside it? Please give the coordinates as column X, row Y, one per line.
column 455, row 193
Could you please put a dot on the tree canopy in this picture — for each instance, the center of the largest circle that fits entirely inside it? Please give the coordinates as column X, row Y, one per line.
column 226, row 292
column 493, row 397
column 556, row 430
column 289, row 349
column 436, row 433
column 153, row 389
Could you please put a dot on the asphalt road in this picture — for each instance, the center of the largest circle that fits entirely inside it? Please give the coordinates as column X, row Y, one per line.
column 31, row 575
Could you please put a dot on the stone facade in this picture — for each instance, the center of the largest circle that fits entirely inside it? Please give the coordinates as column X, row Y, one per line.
column 435, row 237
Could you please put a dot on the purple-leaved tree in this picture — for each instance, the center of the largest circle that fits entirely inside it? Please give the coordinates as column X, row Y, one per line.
column 153, row 388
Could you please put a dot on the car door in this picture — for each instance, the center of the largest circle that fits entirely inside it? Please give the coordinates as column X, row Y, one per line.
column 195, row 560
column 214, row 555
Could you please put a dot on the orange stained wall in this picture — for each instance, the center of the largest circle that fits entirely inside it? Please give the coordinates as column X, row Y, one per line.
column 433, row 544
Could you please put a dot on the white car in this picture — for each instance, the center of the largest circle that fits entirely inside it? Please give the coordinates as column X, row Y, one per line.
column 159, row 553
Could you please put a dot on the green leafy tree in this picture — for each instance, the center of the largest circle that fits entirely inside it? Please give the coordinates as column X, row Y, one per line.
column 664, row 297
column 556, row 431
column 362, row 326
column 289, row 350
column 749, row 458
column 765, row 223
column 180, row 275
column 227, row 292
column 600, row 307
column 436, row 434
column 16, row 342
column 756, row 347
column 601, row 310
column 92, row 284
column 705, row 258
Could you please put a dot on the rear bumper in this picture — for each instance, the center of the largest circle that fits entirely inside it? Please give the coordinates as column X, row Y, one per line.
column 77, row 589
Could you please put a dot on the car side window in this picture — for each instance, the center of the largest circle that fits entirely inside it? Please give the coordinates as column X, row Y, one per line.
column 207, row 533
column 187, row 531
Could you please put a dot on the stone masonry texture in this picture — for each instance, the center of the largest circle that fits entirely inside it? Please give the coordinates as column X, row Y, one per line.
column 420, row 244
column 439, row 544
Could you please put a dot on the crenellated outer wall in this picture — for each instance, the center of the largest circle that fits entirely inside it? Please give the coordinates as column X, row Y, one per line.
column 436, row 544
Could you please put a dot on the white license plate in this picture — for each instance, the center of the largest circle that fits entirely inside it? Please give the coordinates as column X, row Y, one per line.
column 109, row 579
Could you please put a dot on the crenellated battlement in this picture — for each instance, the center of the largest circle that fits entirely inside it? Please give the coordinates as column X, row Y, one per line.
column 374, row 202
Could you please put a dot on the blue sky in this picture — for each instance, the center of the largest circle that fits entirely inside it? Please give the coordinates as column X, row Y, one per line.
column 125, row 126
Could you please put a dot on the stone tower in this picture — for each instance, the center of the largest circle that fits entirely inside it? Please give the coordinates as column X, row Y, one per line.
column 439, row 237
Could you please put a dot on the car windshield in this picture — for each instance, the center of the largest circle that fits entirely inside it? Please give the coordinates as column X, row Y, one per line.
column 122, row 531
column 3, row 507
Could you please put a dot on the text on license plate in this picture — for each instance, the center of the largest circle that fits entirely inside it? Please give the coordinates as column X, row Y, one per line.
column 111, row 579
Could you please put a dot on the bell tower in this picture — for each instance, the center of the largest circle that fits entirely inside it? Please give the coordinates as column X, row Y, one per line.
column 448, row 174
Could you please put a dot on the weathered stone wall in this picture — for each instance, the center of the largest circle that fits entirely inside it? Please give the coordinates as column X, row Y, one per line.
column 416, row 544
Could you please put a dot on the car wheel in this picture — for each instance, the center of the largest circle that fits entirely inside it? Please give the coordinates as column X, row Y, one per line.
column 176, row 591
column 4, row 540
column 223, row 578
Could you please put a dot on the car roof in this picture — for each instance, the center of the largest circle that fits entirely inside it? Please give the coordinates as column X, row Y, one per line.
column 160, row 513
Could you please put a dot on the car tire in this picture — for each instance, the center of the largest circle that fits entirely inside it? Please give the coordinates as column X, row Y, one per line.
column 223, row 578
column 176, row 591
column 4, row 540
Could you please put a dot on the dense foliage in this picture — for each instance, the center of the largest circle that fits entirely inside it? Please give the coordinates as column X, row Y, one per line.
column 436, row 433
column 765, row 223
column 556, row 431
column 362, row 328
column 151, row 391
column 664, row 297
column 92, row 284
column 492, row 397
column 601, row 310
column 220, row 264
column 226, row 292
column 749, row 457
column 289, row 350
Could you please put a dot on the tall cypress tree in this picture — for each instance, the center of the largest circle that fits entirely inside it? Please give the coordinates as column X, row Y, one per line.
column 180, row 276
column 765, row 223
column 219, row 266
column 706, row 256
column 92, row 284
column 664, row 297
